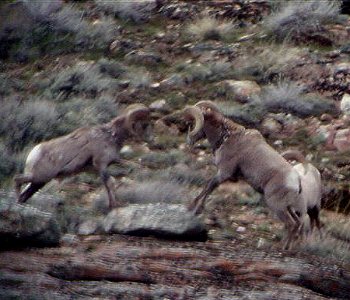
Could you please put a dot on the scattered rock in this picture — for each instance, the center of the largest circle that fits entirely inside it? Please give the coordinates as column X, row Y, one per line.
column 69, row 240
column 341, row 68
column 26, row 226
column 270, row 126
column 241, row 229
column 124, row 45
column 160, row 106
column 341, row 140
column 89, row 227
column 146, row 58
column 167, row 221
column 173, row 81
column 241, row 91
column 345, row 104
column 179, row 10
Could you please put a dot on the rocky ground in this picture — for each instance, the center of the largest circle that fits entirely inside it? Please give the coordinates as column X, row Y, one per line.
column 64, row 66
column 121, row 267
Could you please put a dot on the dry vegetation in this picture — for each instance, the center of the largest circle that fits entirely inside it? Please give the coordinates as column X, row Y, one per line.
column 67, row 64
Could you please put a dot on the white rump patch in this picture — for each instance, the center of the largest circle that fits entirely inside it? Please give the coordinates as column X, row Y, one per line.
column 33, row 155
column 292, row 180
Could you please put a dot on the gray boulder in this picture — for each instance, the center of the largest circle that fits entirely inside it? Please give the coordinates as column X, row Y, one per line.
column 25, row 226
column 161, row 220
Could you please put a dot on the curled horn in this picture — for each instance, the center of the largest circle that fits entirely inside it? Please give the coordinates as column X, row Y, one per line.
column 196, row 114
column 135, row 112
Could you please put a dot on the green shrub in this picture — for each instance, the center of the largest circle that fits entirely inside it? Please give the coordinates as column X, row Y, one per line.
column 139, row 79
column 9, row 85
column 52, row 28
column 27, row 122
column 9, row 163
column 135, row 11
column 180, row 173
column 111, row 68
column 78, row 112
column 211, row 71
column 249, row 114
column 161, row 159
column 83, row 78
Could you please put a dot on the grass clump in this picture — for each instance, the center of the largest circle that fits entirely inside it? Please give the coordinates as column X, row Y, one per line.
column 298, row 19
column 153, row 191
column 340, row 228
column 161, row 159
column 328, row 247
column 264, row 64
column 208, row 28
column 208, row 72
column 290, row 97
column 135, row 11
column 9, row 85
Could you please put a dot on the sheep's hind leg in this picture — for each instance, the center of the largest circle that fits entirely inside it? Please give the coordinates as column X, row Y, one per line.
column 29, row 191
column 314, row 215
column 19, row 181
column 294, row 225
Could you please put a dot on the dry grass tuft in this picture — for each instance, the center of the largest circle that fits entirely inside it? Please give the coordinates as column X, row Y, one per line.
column 209, row 28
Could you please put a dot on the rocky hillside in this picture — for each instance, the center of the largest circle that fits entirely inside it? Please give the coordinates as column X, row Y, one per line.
column 281, row 67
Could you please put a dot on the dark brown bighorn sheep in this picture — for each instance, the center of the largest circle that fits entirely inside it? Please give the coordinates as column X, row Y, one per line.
column 86, row 147
column 311, row 186
column 241, row 152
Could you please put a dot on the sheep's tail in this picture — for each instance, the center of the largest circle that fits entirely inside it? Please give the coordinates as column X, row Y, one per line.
column 296, row 155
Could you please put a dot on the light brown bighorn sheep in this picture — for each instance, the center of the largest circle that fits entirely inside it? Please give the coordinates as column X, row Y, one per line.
column 244, row 152
column 311, row 186
column 86, row 147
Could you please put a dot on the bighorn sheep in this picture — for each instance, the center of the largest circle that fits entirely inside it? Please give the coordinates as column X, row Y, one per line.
column 86, row 147
column 311, row 186
column 244, row 152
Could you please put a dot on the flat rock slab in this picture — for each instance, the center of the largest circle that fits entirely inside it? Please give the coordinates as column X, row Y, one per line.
column 24, row 226
column 160, row 220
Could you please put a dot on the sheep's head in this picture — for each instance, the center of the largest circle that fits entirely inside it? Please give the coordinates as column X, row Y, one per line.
column 138, row 122
column 201, row 112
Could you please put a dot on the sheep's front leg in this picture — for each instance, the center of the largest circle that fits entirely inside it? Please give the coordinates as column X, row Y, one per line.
column 101, row 166
column 196, row 206
column 108, row 182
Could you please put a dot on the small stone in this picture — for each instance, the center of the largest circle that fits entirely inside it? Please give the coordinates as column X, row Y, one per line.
column 162, row 220
column 69, row 240
column 160, row 105
column 345, row 104
column 126, row 150
column 261, row 243
column 241, row 229
column 88, row 227
column 240, row 90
